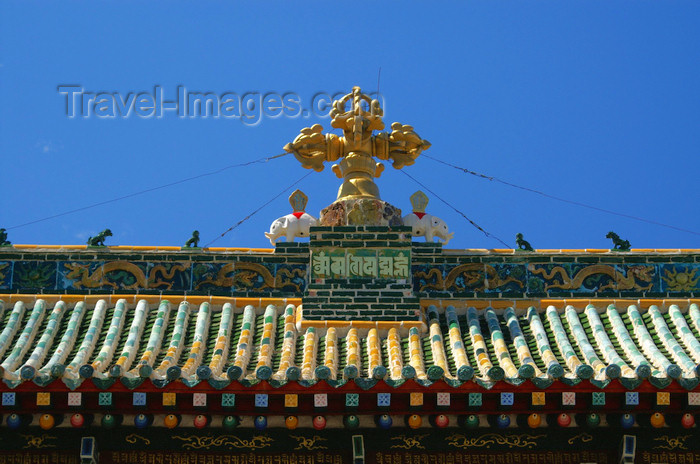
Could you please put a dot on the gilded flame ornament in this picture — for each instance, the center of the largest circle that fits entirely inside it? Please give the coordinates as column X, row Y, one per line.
column 358, row 147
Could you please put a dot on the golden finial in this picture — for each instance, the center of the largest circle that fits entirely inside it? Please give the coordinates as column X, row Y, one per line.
column 419, row 201
column 357, row 147
column 298, row 200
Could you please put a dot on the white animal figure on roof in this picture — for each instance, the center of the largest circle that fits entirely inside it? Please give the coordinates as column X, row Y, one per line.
column 425, row 224
column 291, row 226
column 429, row 226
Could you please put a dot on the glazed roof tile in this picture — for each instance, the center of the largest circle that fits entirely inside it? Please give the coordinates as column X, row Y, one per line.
column 174, row 340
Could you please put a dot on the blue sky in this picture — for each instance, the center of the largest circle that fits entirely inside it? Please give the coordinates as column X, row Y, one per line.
column 597, row 102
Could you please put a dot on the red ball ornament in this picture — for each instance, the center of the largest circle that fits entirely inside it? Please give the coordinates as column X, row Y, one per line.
column 564, row 420
column 442, row 421
column 200, row 421
column 319, row 422
column 77, row 420
column 688, row 420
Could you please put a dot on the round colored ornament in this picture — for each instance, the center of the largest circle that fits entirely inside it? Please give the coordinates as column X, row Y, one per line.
column 414, row 421
column 657, row 420
column 534, row 420
column 564, row 420
column 627, row 421
column 47, row 421
column 230, row 422
column 384, row 421
column 77, row 420
column 442, row 421
column 260, row 423
column 351, row 421
column 200, row 421
column 14, row 421
column 319, row 422
column 291, row 422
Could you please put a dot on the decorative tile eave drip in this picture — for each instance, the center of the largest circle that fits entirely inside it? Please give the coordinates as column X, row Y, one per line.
column 576, row 367
column 488, row 372
column 131, row 346
column 308, row 364
column 554, row 369
column 244, row 346
column 220, row 352
column 329, row 369
column 670, row 344
column 616, row 365
column 528, row 368
column 463, row 369
column 263, row 368
column 416, row 355
column 649, row 348
column 439, row 367
column 144, row 367
column 286, row 369
column 196, row 352
column 24, row 342
column 168, row 368
column 393, row 348
column 499, row 346
column 56, row 364
column 104, row 357
column 13, row 325
column 584, row 345
column 43, row 346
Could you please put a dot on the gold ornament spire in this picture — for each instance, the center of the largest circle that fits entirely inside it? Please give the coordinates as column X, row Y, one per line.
column 357, row 147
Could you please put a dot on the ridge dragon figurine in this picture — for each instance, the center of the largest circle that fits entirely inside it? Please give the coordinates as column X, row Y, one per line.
column 523, row 245
column 618, row 243
column 193, row 242
column 99, row 239
column 3, row 238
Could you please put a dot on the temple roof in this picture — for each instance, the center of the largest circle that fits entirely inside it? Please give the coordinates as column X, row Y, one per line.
column 222, row 341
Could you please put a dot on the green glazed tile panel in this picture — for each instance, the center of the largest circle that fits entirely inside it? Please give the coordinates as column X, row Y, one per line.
column 165, row 342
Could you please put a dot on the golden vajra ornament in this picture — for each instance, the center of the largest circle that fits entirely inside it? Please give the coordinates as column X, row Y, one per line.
column 358, row 147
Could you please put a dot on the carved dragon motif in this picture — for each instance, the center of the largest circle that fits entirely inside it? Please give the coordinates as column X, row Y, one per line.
column 619, row 280
column 158, row 276
column 475, row 275
column 409, row 442
column 310, row 443
column 244, row 276
column 285, row 278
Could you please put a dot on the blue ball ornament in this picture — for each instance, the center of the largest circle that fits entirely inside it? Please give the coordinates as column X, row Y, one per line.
column 627, row 421
column 14, row 421
column 141, row 421
column 384, row 421
column 503, row 421
column 260, row 423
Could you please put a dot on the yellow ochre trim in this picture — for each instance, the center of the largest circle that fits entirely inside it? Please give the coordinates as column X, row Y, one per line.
column 10, row 298
column 140, row 248
column 272, row 250
column 545, row 302
column 379, row 325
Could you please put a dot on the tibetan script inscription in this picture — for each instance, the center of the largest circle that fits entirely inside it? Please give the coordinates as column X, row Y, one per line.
column 352, row 263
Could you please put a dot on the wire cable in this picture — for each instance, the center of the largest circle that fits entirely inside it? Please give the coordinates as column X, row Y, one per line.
column 152, row 189
column 488, row 234
column 563, row 200
column 259, row 208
